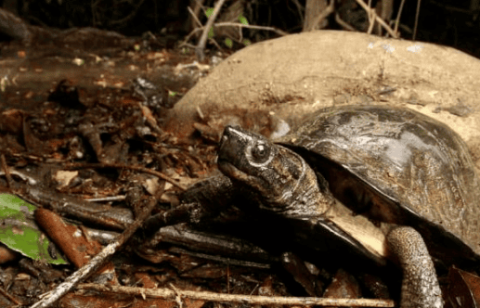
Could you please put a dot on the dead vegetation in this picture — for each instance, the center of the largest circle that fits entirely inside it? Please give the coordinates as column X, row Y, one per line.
column 83, row 139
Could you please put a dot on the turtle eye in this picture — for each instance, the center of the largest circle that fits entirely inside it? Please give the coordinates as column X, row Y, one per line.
column 260, row 151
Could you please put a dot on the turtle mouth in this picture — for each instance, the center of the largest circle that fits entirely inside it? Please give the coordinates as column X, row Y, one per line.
column 230, row 151
column 230, row 170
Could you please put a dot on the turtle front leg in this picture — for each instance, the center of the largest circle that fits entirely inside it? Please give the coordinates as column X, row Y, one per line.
column 420, row 288
column 199, row 203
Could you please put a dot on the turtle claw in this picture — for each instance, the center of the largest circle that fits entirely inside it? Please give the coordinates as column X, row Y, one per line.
column 420, row 288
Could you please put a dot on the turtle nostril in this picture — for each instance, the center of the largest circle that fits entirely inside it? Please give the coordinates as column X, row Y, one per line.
column 228, row 130
column 224, row 139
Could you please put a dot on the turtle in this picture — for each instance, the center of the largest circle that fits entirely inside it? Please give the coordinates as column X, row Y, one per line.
column 388, row 182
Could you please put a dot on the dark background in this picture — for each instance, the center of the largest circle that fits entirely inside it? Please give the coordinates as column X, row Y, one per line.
column 453, row 23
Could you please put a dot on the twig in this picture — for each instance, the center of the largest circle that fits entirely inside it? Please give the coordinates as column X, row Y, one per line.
column 212, row 40
column 67, row 205
column 24, row 177
column 397, row 21
column 197, row 6
column 343, row 23
column 237, row 24
column 328, row 10
column 234, row 24
column 240, row 299
column 300, row 10
column 6, row 171
column 377, row 18
column 195, row 18
column 14, row 26
column 107, row 199
column 199, row 49
column 417, row 14
column 77, row 277
column 121, row 166
column 371, row 18
column 96, row 262
column 10, row 297
column 178, row 297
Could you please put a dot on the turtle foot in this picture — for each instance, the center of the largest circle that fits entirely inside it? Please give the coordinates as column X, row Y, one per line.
column 420, row 288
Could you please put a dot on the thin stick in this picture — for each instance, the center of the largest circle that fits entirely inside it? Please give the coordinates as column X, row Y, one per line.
column 120, row 166
column 240, row 299
column 416, row 20
column 10, row 297
column 199, row 49
column 328, row 10
column 6, row 171
column 237, row 24
column 96, row 262
column 197, row 6
column 343, row 23
column 377, row 18
column 233, row 24
column 371, row 19
column 397, row 21
column 300, row 10
column 195, row 18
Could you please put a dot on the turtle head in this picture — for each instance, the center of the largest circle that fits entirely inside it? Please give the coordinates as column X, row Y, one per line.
column 279, row 176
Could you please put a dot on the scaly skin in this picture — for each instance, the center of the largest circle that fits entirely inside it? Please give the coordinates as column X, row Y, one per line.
column 420, row 287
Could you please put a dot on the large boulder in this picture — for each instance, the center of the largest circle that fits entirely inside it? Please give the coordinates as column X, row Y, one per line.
column 274, row 83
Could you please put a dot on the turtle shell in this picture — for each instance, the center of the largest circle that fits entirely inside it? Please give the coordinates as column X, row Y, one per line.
column 398, row 166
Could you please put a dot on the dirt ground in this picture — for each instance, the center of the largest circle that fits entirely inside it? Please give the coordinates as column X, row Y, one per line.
column 102, row 110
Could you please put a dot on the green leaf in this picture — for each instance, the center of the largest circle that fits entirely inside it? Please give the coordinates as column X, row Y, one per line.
column 19, row 232
column 209, row 12
column 247, row 42
column 172, row 93
column 228, row 42
column 211, row 34
column 243, row 20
